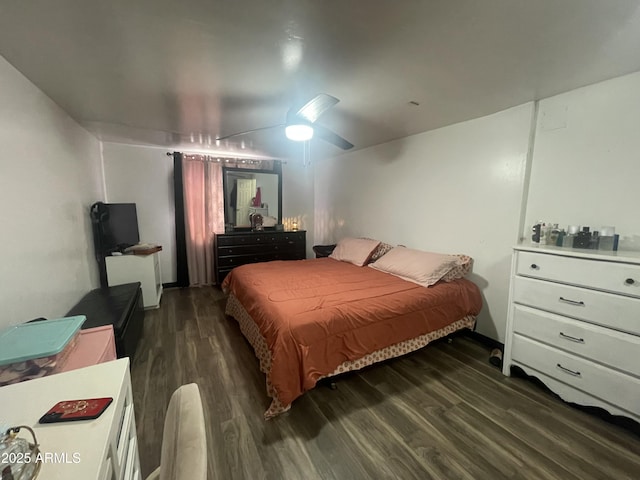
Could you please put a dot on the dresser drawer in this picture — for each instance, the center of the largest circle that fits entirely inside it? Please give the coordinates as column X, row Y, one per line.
column 235, row 240
column 260, row 239
column 603, row 345
column 293, row 254
column 224, row 251
column 615, row 277
column 284, row 237
column 252, row 250
column 614, row 311
column 597, row 380
column 293, row 237
column 234, row 261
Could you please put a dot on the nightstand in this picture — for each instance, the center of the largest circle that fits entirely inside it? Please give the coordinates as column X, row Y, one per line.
column 322, row 251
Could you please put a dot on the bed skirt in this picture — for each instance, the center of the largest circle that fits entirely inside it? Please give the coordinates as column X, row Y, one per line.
column 251, row 332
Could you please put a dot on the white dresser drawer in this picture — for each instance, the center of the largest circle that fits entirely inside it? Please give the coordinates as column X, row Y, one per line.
column 616, row 349
column 615, row 277
column 609, row 310
column 589, row 377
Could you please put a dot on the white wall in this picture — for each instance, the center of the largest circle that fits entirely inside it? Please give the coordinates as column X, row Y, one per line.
column 586, row 162
column 144, row 176
column 298, row 198
column 50, row 175
column 457, row 189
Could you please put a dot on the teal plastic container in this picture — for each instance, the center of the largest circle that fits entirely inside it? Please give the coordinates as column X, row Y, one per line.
column 37, row 339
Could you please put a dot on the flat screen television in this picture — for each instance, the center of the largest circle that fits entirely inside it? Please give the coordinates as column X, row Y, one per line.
column 120, row 229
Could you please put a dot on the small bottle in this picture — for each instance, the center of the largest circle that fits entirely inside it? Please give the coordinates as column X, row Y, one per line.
column 535, row 238
column 545, row 234
column 606, row 239
column 553, row 235
column 582, row 239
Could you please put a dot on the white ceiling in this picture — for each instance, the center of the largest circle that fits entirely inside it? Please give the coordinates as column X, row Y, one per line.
column 180, row 73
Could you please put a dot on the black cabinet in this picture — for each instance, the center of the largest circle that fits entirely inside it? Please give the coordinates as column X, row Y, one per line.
column 323, row 251
column 233, row 249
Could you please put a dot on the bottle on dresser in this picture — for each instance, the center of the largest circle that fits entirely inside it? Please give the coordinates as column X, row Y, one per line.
column 607, row 237
column 537, row 231
column 554, row 232
column 582, row 238
column 568, row 239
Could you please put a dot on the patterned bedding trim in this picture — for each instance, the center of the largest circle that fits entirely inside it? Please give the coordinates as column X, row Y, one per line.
column 251, row 332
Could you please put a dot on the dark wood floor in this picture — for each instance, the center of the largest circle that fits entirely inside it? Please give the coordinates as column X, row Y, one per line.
column 442, row 412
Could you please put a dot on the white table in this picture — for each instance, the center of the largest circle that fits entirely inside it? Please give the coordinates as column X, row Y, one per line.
column 103, row 448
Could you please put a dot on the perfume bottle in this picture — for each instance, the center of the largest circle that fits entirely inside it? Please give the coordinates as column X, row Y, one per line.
column 537, row 230
column 582, row 239
column 607, row 237
column 572, row 232
column 545, row 233
column 553, row 235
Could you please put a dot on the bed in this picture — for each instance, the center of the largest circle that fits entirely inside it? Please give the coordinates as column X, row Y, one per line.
column 311, row 319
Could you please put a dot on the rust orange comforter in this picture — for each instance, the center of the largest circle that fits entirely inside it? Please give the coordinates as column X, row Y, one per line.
column 316, row 314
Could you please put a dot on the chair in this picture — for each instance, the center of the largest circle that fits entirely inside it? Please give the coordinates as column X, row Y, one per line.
column 184, row 442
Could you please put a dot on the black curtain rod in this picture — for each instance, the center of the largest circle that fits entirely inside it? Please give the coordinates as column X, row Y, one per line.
column 228, row 157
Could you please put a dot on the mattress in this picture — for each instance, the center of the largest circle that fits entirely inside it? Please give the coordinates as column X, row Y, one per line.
column 316, row 315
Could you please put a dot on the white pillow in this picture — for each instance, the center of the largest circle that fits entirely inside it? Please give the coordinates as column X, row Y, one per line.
column 354, row 250
column 423, row 268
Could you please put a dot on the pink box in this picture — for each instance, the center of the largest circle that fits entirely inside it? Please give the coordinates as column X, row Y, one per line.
column 94, row 345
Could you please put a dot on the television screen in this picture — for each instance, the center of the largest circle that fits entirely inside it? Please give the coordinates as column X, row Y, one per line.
column 121, row 228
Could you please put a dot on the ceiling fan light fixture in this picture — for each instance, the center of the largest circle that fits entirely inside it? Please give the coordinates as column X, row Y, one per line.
column 299, row 132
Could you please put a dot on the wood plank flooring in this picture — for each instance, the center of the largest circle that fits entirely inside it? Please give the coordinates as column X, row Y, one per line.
column 440, row 413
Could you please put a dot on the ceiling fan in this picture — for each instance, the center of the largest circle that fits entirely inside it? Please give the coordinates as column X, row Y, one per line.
column 301, row 125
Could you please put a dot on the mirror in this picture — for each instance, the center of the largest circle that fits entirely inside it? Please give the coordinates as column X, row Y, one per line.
column 251, row 192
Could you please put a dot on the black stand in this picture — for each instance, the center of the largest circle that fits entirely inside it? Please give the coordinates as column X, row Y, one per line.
column 99, row 215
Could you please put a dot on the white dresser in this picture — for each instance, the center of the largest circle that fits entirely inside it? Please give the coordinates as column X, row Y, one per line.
column 105, row 448
column 137, row 268
column 574, row 323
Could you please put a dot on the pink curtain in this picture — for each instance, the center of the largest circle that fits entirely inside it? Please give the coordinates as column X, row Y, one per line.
column 204, row 215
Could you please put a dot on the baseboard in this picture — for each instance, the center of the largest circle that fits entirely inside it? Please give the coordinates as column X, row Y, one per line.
column 489, row 342
column 170, row 285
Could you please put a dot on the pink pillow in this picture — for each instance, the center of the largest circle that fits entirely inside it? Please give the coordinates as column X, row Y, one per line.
column 354, row 250
column 423, row 268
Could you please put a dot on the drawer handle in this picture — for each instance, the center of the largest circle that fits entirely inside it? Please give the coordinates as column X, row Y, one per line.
column 629, row 281
column 572, row 302
column 534, row 267
column 570, row 372
column 573, row 339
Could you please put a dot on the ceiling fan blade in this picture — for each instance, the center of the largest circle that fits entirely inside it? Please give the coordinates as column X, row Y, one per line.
column 250, row 131
column 333, row 138
column 315, row 107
